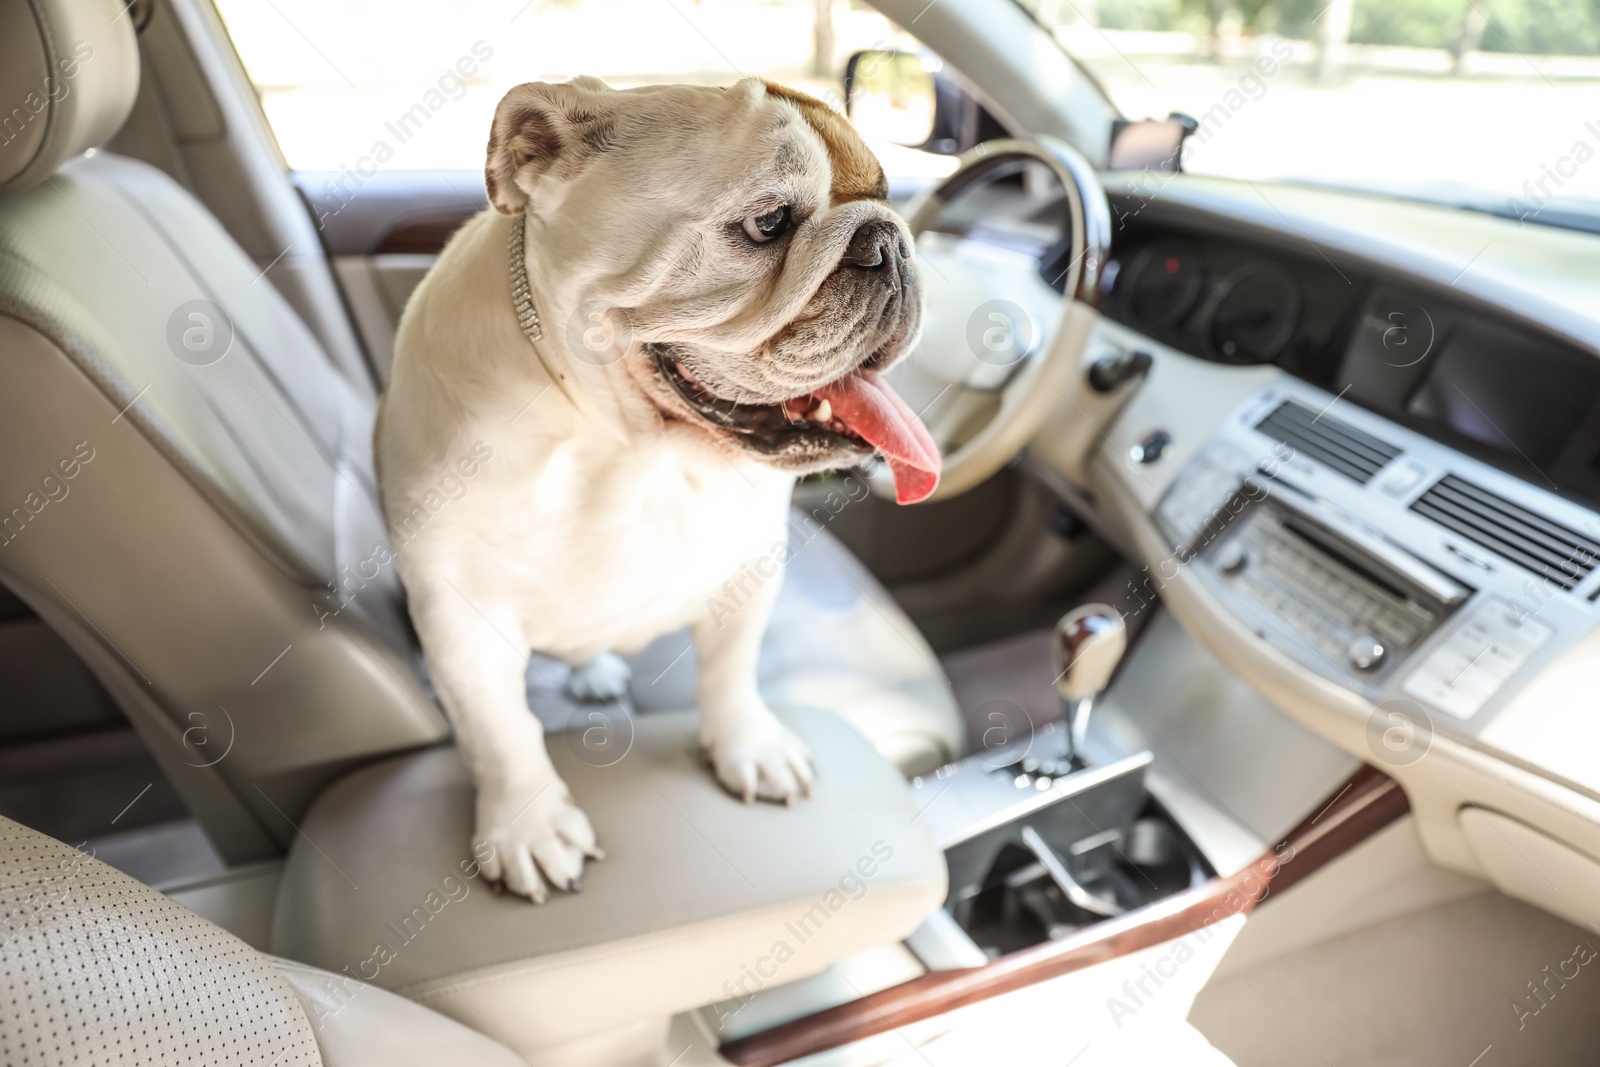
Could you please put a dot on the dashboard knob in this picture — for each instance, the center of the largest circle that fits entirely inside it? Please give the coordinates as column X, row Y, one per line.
column 1233, row 558
column 1151, row 447
column 1365, row 652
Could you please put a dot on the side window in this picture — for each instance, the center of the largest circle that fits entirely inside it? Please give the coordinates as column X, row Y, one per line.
column 362, row 85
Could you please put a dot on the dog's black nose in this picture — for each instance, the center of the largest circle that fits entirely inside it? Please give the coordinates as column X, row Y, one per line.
column 877, row 245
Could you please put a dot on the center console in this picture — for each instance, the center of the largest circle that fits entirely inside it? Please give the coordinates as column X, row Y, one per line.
column 1038, row 842
column 1068, row 852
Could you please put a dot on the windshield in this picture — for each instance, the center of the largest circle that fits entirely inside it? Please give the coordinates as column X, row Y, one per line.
column 1487, row 104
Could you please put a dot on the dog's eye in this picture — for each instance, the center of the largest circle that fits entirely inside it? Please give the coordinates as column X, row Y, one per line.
column 763, row 228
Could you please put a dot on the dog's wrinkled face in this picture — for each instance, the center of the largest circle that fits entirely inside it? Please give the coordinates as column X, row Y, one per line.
column 745, row 236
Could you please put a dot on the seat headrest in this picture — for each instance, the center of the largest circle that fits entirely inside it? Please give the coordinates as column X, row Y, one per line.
column 69, row 72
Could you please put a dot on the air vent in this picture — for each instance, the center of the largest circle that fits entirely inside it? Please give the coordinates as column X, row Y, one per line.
column 1529, row 540
column 1346, row 449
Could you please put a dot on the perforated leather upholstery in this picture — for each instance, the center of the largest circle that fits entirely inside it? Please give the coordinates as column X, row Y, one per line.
column 97, row 968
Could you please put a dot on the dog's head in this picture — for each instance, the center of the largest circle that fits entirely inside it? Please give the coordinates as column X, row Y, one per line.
column 744, row 238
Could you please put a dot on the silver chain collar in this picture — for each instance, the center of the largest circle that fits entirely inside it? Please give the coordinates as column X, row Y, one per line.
column 521, row 291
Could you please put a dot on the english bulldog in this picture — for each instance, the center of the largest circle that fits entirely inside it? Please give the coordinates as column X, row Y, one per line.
column 682, row 299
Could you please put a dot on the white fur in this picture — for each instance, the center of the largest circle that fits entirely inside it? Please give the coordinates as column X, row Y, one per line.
column 596, row 524
column 603, row 678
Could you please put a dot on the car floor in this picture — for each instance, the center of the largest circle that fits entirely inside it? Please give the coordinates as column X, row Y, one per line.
column 1476, row 981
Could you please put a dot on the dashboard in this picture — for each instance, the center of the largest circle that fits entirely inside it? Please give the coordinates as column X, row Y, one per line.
column 1375, row 500
column 1361, row 469
column 1486, row 385
column 1381, row 468
column 1407, row 507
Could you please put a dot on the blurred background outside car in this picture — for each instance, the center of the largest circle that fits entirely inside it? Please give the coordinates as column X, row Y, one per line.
column 1493, row 104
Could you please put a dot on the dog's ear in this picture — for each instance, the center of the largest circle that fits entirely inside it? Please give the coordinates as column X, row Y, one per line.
column 539, row 126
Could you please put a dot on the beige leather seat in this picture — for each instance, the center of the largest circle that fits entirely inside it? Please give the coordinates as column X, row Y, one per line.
column 100, row 968
column 186, row 488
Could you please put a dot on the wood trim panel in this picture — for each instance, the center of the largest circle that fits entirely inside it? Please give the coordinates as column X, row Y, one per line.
column 425, row 236
column 1369, row 801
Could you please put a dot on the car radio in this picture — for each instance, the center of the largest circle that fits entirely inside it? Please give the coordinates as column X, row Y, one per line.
column 1358, row 609
column 1340, row 595
column 1378, row 558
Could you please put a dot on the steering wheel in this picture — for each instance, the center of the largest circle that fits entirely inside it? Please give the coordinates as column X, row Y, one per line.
column 1004, row 328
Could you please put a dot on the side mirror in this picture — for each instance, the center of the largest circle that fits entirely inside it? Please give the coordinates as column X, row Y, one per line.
column 905, row 99
column 891, row 97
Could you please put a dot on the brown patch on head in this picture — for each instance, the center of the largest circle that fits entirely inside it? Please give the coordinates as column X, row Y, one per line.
column 856, row 172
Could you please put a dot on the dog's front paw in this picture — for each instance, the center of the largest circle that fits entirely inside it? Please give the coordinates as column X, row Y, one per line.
column 536, row 835
column 603, row 678
column 757, row 756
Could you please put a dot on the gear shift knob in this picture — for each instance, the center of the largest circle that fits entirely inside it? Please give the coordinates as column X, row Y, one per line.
column 1089, row 643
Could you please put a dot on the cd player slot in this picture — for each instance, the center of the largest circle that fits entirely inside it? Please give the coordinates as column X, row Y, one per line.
column 1344, row 536
column 1359, row 600
column 1320, row 539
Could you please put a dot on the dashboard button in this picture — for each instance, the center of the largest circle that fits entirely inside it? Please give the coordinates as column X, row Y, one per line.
column 1365, row 652
column 1485, row 649
column 1403, row 478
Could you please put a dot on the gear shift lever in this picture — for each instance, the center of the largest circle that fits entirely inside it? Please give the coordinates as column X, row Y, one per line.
column 1089, row 643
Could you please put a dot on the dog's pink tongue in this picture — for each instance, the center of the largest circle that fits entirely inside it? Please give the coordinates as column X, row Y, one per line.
column 875, row 413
